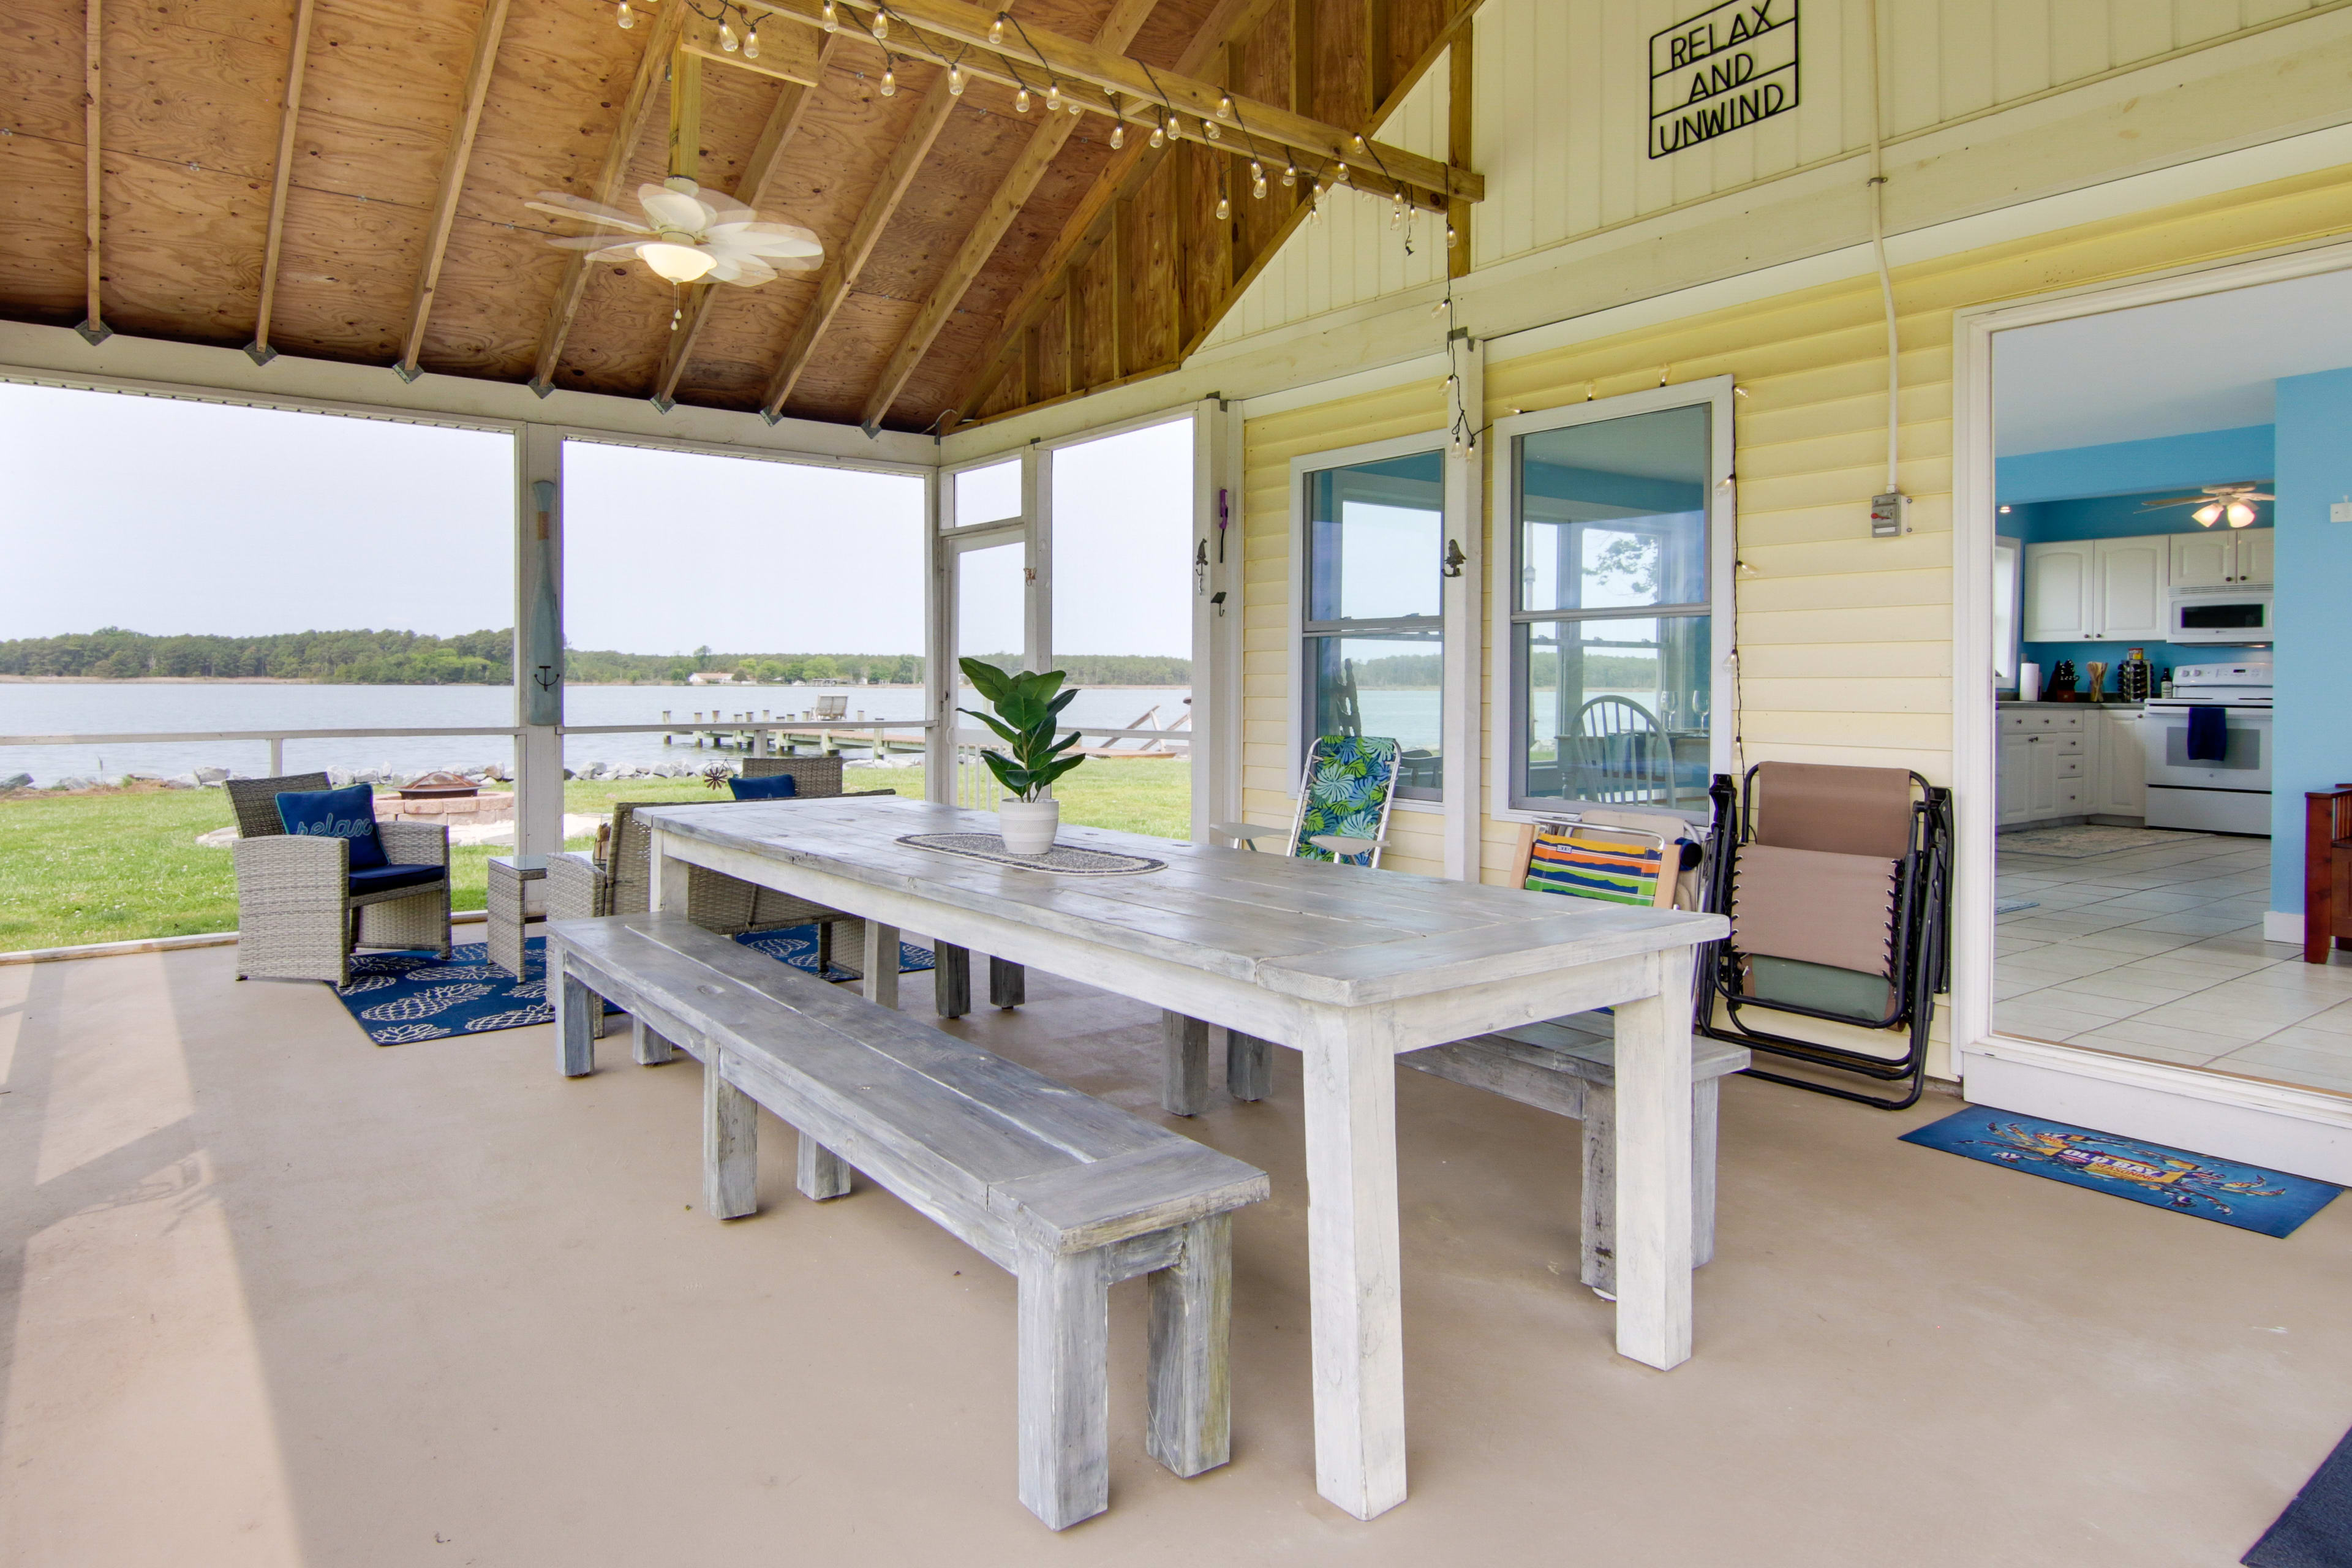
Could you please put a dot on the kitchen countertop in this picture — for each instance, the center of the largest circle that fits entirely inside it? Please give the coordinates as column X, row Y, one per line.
column 2073, row 707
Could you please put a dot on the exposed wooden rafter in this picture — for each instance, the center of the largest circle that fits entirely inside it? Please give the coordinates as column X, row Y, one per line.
column 297, row 62
column 1143, row 96
column 1086, row 232
column 1462, row 98
column 791, row 107
column 842, row 268
column 486, row 34
column 1012, row 193
column 636, row 110
column 93, row 24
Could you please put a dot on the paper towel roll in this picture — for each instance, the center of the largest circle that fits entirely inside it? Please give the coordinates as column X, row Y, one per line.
column 2029, row 683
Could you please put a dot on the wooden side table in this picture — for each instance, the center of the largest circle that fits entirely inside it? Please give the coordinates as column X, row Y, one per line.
column 506, row 900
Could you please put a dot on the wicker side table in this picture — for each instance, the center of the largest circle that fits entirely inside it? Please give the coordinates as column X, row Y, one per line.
column 505, row 900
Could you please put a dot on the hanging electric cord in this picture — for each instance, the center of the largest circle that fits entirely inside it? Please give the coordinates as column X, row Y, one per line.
column 1878, row 254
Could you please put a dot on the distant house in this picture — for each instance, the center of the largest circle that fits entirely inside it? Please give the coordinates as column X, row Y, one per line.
column 711, row 678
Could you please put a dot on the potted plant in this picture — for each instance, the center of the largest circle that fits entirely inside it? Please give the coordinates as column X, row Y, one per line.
column 1027, row 705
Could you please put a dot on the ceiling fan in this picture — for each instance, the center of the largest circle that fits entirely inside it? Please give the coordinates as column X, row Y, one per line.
column 688, row 234
column 2215, row 502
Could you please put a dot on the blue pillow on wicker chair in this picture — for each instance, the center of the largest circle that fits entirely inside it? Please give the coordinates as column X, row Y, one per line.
column 773, row 787
column 346, row 813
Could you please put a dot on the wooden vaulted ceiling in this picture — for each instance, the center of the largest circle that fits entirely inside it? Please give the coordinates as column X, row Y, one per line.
column 345, row 180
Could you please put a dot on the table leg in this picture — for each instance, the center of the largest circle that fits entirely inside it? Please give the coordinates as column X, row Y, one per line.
column 881, row 964
column 670, row 879
column 1654, row 1169
column 1352, row 1267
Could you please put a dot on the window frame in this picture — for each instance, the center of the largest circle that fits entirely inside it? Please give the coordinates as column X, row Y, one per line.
column 1303, row 471
column 1508, row 800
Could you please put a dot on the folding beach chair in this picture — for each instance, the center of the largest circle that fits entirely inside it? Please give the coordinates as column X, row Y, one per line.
column 1344, row 794
column 1836, row 881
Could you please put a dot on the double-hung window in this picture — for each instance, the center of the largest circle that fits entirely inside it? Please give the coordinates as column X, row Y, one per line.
column 1618, row 600
column 1371, row 632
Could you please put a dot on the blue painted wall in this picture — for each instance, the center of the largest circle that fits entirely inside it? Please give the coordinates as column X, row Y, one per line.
column 2313, row 661
column 2169, row 462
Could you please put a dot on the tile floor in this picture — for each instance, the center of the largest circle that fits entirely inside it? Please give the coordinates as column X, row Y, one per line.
column 2158, row 952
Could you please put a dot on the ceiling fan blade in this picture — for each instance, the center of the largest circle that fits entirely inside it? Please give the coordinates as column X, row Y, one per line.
column 2179, row 500
column 562, row 206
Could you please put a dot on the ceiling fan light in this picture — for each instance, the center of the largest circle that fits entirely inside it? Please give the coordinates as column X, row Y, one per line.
column 2242, row 515
column 2208, row 514
column 677, row 263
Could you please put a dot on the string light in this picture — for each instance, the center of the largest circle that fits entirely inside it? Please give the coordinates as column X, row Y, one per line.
column 628, row 18
column 1396, row 209
column 955, row 80
column 1209, row 128
column 1339, row 174
column 996, row 30
column 728, row 42
column 881, row 24
column 1290, row 176
column 1225, row 207
column 889, row 81
column 751, row 43
column 1021, row 101
column 830, row 18
column 1076, row 107
column 1054, row 98
column 1117, row 134
column 1257, row 180
column 1226, row 105
column 1315, row 203
column 1159, row 136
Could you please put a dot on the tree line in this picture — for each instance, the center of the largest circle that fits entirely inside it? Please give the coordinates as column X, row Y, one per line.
column 482, row 658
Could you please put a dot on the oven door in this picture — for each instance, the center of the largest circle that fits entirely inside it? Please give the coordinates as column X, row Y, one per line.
column 2245, row 765
column 2224, row 618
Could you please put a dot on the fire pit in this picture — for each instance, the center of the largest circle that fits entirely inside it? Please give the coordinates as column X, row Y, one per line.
column 438, row 786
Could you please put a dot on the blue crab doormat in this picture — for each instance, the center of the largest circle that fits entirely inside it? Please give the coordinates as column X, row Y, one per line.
column 2246, row 1196
column 398, row 997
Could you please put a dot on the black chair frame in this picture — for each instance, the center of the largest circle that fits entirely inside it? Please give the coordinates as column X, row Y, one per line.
column 1919, row 961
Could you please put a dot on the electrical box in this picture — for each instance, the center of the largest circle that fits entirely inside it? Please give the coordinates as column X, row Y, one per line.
column 1890, row 515
column 2339, row 511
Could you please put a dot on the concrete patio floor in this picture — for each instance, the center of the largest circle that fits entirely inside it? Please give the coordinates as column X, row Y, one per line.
column 275, row 1296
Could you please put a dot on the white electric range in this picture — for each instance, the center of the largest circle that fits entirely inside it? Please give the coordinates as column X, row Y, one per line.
column 2229, row 793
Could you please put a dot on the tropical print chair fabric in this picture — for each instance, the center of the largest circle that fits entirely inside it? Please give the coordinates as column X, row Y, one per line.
column 1349, row 778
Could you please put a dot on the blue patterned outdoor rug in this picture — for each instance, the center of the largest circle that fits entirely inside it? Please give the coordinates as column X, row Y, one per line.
column 2246, row 1196
column 398, row 997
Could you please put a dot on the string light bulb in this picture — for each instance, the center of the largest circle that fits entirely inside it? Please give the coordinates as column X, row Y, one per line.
column 1117, row 134
column 1290, row 176
column 1021, row 101
column 1257, row 180
column 1225, row 207
column 955, row 80
column 1452, row 239
column 1159, row 136
column 752, row 44
column 881, row 24
column 1075, row 107
column 996, row 30
column 728, row 42
column 627, row 18
column 1209, row 128
column 1054, row 98
column 1226, row 105
column 889, row 81
column 829, row 18
column 1339, row 174
column 1396, row 209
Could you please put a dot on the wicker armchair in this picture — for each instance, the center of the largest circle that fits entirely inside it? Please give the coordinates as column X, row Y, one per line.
column 617, row 879
column 297, row 916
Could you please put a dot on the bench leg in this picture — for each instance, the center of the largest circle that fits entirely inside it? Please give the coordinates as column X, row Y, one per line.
column 576, row 1040
column 1599, row 1260
column 1064, row 1385
column 1008, row 983
column 1184, row 1064
column 730, row 1146
column 1189, row 1428
column 881, row 964
column 820, row 1173
column 649, row 1047
column 1249, row 1065
column 951, row 980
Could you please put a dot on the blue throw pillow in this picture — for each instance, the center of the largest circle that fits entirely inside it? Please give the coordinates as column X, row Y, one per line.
column 774, row 787
column 336, row 813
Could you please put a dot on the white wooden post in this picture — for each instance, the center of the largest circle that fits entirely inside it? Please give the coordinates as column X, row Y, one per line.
column 539, row 625
column 1465, row 524
column 938, row 645
column 1353, row 1273
column 1653, row 1168
column 1216, row 628
column 1037, row 513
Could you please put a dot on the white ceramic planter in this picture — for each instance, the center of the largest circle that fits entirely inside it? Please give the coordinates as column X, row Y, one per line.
column 1028, row 825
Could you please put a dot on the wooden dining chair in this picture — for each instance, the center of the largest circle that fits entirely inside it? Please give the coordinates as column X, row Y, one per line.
column 2326, row 871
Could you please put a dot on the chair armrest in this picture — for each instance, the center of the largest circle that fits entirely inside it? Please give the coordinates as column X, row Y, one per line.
column 304, row 867
column 577, row 889
column 1248, row 831
column 414, row 843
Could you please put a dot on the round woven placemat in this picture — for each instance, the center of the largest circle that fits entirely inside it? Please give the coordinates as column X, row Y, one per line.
column 1061, row 859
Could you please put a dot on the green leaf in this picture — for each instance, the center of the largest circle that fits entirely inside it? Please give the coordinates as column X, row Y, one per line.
column 1010, row 736
column 990, row 681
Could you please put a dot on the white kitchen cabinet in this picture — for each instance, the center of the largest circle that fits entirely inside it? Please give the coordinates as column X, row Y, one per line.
column 2127, row 590
column 2256, row 548
column 2121, row 788
column 2058, row 598
column 2204, row 560
column 2044, row 765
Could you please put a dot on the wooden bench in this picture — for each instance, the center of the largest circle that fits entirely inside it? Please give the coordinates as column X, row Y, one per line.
column 1069, row 1194
column 1572, row 1071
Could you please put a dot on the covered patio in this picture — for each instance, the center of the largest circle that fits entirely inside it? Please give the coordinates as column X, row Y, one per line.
column 288, row 1299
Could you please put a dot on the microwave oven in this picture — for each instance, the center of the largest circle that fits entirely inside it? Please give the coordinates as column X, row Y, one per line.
column 2219, row 616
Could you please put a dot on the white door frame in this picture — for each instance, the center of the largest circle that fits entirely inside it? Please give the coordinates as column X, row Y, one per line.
column 2300, row 1130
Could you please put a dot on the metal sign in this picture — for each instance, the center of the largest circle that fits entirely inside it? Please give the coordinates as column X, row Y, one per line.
column 1728, row 66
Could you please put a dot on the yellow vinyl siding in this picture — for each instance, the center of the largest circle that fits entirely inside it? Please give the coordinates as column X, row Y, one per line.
column 1845, row 641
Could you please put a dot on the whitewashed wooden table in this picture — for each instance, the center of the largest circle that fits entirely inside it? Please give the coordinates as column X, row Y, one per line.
column 1349, row 967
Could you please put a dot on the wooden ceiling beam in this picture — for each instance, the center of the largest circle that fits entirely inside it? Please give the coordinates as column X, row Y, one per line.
column 791, row 108
column 1141, row 95
column 636, row 108
column 297, row 62
column 1012, row 193
column 487, row 32
column 1121, row 177
column 842, row 268
column 93, row 97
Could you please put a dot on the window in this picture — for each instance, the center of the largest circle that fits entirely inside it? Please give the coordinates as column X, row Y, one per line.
column 1373, row 637
column 1615, row 577
column 986, row 495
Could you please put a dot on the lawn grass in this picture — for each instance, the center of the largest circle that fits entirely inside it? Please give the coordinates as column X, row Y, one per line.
column 123, row 864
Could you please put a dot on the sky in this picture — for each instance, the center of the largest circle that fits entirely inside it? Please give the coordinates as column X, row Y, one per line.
column 168, row 517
